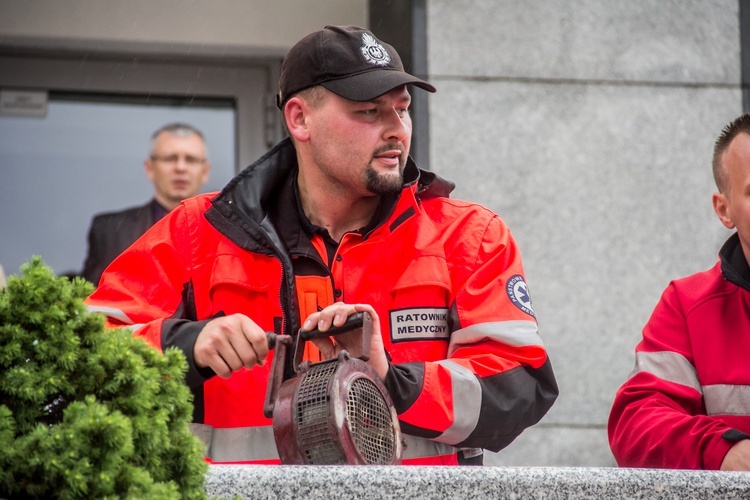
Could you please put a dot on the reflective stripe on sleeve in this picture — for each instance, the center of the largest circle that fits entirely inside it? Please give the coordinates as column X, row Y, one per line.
column 669, row 366
column 720, row 399
column 416, row 447
column 515, row 333
column 238, row 444
column 726, row 399
column 249, row 444
column 110, row 312
column 467, row 402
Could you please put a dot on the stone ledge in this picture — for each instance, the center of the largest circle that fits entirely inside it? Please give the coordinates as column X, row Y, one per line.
column 411, row 482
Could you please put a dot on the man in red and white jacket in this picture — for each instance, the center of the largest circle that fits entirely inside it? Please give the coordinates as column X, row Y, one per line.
column 335, row 220
column 687, row 403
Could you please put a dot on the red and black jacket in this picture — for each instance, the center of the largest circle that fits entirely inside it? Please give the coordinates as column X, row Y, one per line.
column 686, row 402
column 445, row 277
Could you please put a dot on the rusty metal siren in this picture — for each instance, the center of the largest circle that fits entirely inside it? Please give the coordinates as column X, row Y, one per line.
column 336, row 411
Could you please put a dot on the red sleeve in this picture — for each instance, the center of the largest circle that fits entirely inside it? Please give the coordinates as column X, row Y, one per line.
column 658, row 417
column 143, row 286
column 497, row 379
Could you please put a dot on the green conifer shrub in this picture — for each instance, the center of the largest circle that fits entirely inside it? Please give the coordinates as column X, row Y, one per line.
column 88, row 412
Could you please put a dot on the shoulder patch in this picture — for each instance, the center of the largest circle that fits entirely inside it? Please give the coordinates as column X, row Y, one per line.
column 518, row 293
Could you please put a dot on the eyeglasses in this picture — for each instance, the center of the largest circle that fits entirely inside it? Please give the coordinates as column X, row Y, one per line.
column 191, row 161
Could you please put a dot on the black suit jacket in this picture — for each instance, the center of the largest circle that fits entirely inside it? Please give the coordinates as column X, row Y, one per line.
column 111, row 233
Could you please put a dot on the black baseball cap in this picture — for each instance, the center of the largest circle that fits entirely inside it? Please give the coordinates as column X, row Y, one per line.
column 347, row 60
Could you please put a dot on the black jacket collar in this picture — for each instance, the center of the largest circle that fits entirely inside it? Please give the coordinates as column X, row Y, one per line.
column 254, row 190
column 264, row 188
column 734, row 265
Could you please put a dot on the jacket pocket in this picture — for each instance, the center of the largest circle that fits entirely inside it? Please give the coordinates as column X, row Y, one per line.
column 419, row 310
column 245, row 286
column 425, row 281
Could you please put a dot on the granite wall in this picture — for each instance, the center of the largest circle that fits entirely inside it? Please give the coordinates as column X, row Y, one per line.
column 336, row 482
column 588, row 125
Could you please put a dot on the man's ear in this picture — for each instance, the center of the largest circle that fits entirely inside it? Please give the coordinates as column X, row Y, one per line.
column 206, row 172
column 148, row 166
column 296, row 112
column 721, row 207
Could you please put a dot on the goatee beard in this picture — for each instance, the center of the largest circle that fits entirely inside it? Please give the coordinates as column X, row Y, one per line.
column 377, row 183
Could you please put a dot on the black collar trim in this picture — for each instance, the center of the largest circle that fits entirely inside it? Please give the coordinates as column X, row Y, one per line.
column 734, row 265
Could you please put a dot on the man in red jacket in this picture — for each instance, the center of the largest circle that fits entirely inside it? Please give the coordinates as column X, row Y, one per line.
column 334, row 220
column 687, row 403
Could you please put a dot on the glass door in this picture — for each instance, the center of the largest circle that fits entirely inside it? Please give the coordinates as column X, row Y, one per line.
column 84, row 157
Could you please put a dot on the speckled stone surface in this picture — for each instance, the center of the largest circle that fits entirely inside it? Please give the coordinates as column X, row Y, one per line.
column 379, row 482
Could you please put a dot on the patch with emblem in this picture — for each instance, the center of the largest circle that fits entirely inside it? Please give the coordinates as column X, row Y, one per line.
column 373, row 52
column 518, row 293
column 421, row 323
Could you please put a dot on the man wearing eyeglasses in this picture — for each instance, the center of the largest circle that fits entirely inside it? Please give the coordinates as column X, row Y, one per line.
column 177, row 167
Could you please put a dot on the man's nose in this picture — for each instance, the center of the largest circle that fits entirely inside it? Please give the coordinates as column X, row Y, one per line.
column 398, row 126
column 181, row 163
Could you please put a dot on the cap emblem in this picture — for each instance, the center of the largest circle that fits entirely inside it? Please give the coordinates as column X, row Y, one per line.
column 373, row 52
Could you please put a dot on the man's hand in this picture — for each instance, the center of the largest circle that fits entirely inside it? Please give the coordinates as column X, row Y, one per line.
column 738, row 456
column 230, row 343
column 335, row 315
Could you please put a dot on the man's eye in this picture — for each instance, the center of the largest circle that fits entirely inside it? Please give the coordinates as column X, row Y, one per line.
column 192, row 160
column 403, row 111
column 369, row 111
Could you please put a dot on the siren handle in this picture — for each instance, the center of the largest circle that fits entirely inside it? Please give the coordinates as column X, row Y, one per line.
column 361, row 321
column 352, row 322
column 280, row 344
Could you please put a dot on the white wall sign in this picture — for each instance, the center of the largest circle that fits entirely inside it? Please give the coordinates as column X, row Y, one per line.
column 23, row 103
